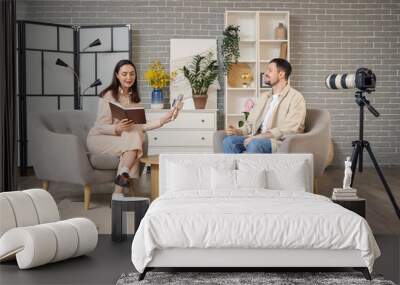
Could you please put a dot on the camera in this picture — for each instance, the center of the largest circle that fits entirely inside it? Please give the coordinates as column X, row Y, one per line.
column 364, row 79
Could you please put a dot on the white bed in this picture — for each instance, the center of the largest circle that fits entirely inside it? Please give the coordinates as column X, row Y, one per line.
column 194, row 223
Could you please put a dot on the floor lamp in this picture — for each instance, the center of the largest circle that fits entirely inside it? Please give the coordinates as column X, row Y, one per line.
column 62, row 63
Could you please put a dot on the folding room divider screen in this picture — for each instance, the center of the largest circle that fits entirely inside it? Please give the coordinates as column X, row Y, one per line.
column 44, row 86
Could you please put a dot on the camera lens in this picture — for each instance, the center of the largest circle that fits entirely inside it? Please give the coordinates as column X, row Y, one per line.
column 340, row 81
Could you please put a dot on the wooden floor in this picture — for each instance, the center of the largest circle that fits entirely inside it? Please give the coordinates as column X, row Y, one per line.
column 380, row 213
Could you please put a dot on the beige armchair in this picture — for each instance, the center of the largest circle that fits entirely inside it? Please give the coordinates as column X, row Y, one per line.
column 59, row 151
column 315, row 140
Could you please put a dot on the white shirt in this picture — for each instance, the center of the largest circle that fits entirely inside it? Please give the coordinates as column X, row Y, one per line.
column 268, row 115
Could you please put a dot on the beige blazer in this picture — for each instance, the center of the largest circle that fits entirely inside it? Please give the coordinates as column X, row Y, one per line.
column 287, row 118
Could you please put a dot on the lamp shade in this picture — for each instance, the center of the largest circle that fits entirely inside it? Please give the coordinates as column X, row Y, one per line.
column 96, row 83
column 96, row 42
column 61, row 63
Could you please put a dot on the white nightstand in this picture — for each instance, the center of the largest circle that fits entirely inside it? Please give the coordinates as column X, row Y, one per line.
column 192, row 131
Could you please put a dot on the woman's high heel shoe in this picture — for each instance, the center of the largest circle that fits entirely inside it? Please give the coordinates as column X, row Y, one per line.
column 122, row 180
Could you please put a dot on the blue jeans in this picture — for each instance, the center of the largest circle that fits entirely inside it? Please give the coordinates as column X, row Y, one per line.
column 234, row 144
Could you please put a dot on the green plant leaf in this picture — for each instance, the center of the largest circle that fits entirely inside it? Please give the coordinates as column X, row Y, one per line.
column 201, row 73
column 230, row 51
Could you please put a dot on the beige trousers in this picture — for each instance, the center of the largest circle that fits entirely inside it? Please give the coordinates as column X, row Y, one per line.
column 116, row 145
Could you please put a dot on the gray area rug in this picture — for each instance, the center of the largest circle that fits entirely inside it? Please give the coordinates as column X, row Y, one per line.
column 270, row 278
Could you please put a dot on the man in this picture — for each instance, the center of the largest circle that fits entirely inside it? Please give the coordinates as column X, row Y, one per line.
column 274, row 116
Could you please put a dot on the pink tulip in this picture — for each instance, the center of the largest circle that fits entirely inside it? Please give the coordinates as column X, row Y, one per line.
column 248, row 105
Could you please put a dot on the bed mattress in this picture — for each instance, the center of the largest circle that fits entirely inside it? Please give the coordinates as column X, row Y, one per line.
column 250, row 219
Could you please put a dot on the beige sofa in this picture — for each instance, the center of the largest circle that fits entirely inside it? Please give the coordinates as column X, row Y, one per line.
column 315, row 139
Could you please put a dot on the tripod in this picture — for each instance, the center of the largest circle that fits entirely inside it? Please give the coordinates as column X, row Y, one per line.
column 360, row 144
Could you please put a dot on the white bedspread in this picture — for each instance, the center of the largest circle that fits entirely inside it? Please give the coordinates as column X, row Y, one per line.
column 250, row 219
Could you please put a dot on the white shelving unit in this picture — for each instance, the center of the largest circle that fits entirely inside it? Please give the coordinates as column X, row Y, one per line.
column 257, row 47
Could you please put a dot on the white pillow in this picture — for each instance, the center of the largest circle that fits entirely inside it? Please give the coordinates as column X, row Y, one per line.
column 185, row 175
column 281, row 174
column 251, row 178
column 223, row 179
column 228, row 179
column 292, row 178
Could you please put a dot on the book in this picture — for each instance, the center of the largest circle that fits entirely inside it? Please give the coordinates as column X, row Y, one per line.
column 345, row 194
column 135, row 114
column 341, row 190
column 334, row 197
column 345, row 198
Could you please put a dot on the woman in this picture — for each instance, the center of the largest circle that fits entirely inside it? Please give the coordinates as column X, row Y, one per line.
column 122, row 138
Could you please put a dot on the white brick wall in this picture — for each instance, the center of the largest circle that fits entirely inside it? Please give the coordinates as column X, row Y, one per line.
column 326, row 36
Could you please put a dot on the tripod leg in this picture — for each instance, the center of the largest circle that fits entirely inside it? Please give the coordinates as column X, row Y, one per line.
column 387, row 188
column 360, row 157
column 354, row 158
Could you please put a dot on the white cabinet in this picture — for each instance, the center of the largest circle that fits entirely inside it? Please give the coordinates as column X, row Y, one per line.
column 258, row 46
column 192, row 131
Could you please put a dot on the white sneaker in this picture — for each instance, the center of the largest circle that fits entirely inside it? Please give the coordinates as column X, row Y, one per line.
column 116, row 196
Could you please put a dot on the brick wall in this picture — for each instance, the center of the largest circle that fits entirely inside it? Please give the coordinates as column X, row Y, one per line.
column 326, row 36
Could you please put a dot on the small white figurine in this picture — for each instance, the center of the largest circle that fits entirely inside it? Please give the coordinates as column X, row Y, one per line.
column 347, row 174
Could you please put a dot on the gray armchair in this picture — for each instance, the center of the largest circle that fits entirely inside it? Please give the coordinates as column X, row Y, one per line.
column 315, row 139
column 59, row 151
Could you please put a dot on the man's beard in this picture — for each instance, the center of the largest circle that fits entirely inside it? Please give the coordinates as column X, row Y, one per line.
column 270, row 83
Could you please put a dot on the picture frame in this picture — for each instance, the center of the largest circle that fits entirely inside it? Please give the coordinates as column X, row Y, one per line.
column 263, row 84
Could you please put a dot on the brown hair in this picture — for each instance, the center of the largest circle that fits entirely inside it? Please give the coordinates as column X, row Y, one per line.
column 283, row 65
column 114, row 86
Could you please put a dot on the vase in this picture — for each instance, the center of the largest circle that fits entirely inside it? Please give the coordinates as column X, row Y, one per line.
column 283, row 51
column 200, row 101
column 280, row 32
column 157, row 99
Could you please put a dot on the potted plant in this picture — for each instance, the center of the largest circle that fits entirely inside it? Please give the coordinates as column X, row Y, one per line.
column 230, row 51
column 157, row 78
column 201, row 74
